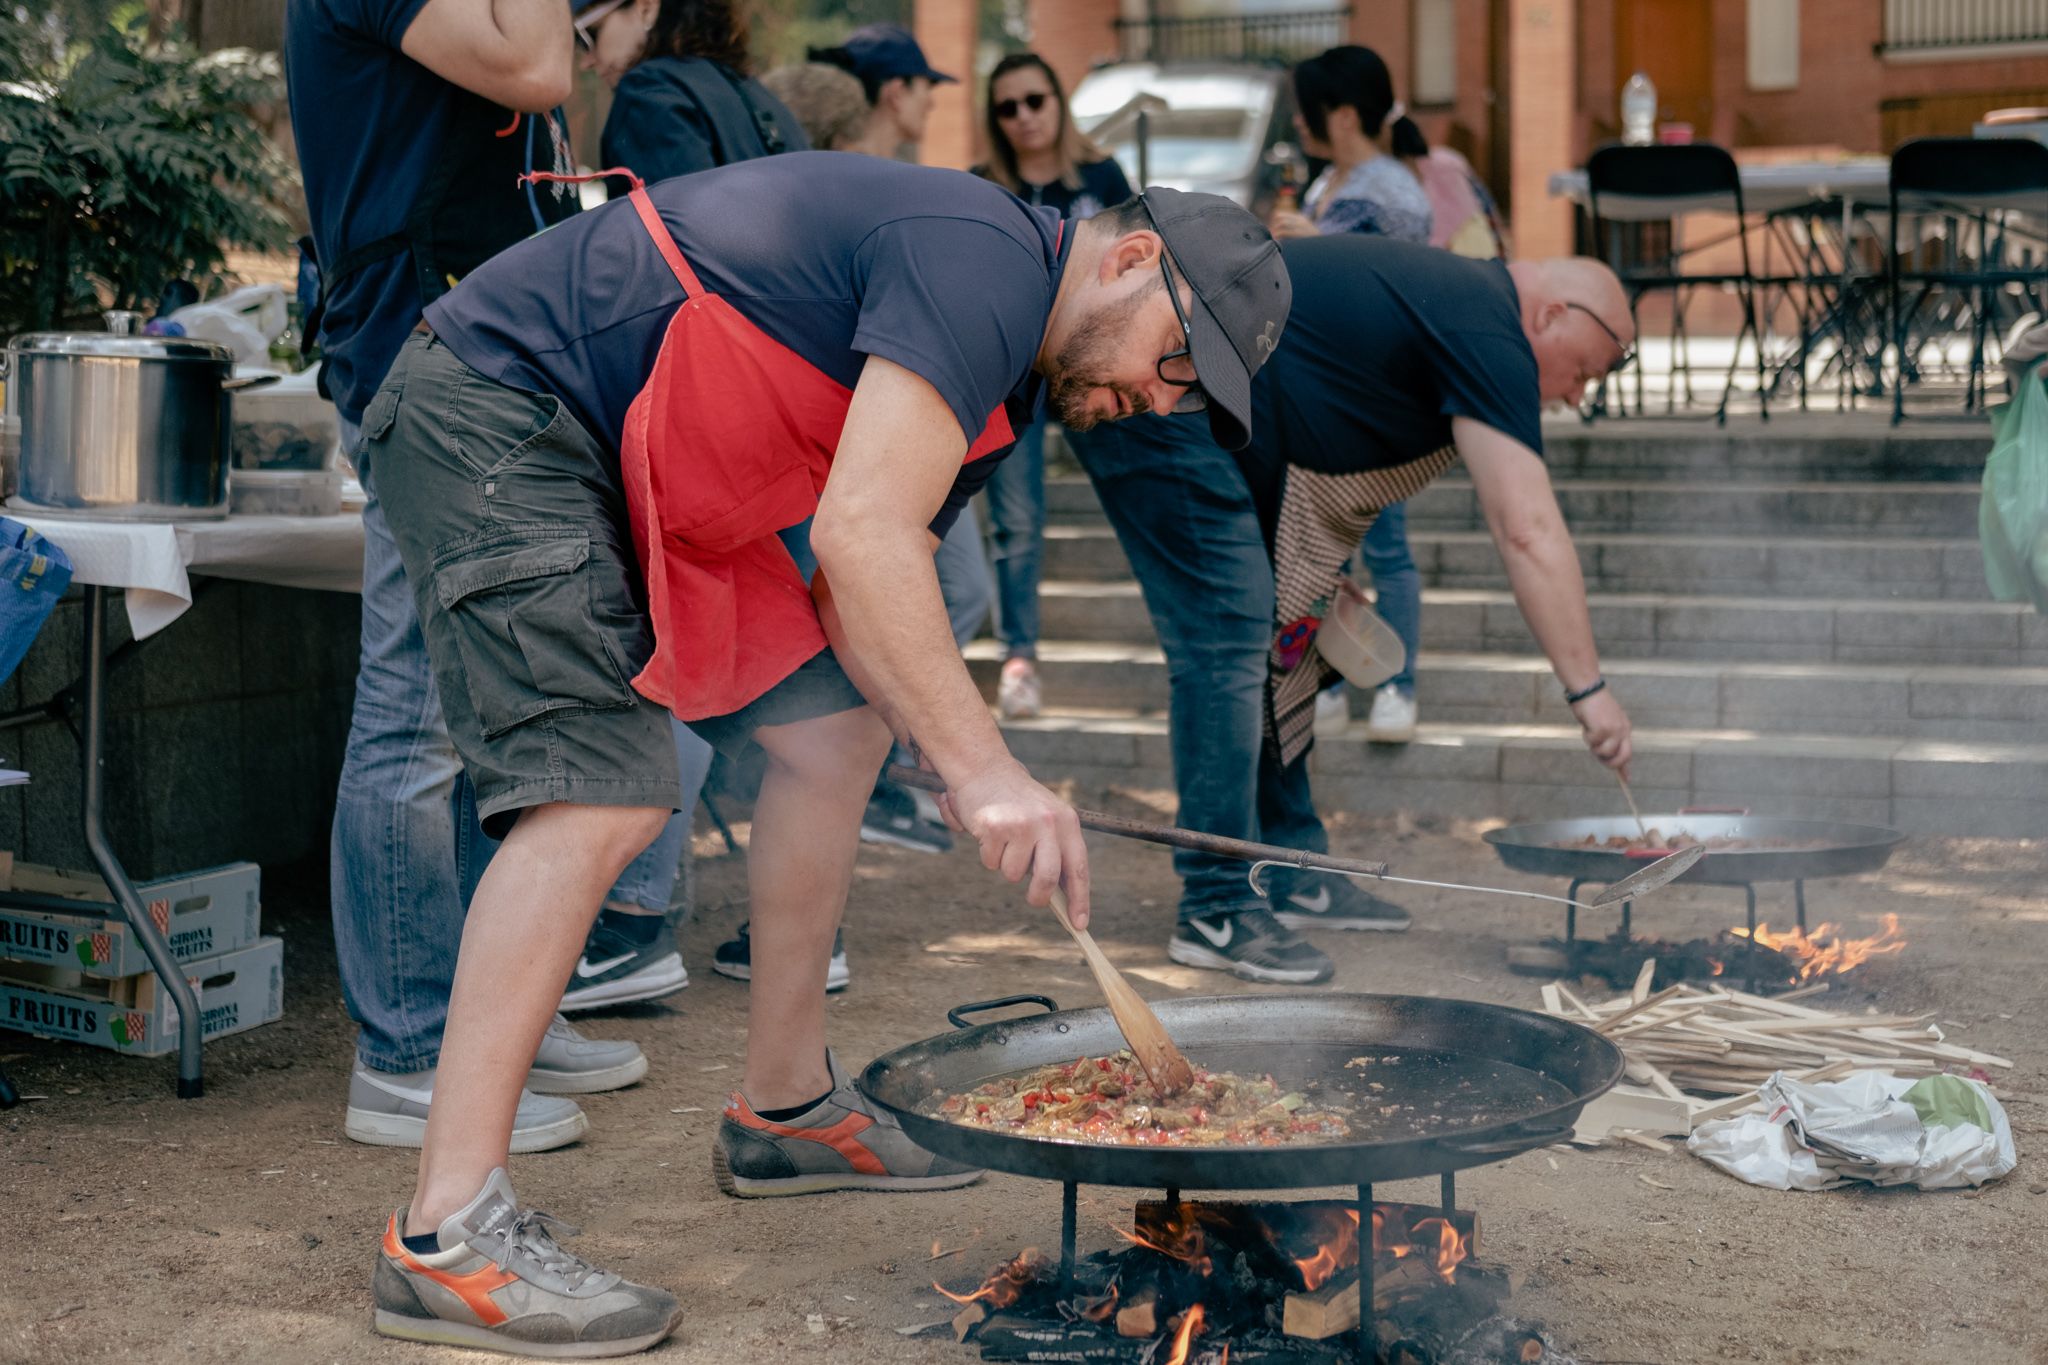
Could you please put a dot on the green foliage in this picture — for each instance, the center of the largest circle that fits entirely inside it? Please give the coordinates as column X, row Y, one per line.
column 125, row 163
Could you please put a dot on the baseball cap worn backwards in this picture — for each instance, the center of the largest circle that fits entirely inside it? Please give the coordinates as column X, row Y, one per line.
column 1242, row 294
column 883, row 52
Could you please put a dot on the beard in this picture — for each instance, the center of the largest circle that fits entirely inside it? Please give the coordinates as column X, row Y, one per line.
column 1083, row 362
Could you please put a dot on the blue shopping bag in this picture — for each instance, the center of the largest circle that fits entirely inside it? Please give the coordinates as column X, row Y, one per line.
column 34, row 572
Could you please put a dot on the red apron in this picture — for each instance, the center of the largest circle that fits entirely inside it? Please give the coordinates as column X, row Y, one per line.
column 728, row 443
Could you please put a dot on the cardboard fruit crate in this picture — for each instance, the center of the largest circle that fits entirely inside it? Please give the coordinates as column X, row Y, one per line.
column 203, row 914
column 134, row 1014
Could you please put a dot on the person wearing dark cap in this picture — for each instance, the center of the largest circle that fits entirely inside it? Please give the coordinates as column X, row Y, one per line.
column 897, row 80
column 591, row 498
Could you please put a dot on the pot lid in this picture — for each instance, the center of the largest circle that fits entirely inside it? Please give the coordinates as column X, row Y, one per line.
column 107, row 344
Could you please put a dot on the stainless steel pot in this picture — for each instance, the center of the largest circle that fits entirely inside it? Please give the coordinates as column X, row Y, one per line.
column 126, row 428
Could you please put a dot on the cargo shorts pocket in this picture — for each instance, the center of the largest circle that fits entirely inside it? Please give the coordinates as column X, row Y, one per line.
column 521, row 601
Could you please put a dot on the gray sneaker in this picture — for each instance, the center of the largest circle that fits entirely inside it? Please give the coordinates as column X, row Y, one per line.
column 570, row 1064
column 840, row 1143
column 499, row 1282
column 390, row 1110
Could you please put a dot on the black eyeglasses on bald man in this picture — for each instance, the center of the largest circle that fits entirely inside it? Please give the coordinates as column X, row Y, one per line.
column 1624, row 351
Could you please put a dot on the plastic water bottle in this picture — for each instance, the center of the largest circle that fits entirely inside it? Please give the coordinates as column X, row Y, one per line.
column 1639, row 111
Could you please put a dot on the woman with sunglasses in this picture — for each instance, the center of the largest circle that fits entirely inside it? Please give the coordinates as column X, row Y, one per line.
column 683, row 97
column 1037, row 154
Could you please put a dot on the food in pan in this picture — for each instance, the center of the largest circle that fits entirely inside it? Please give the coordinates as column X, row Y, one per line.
column 1655, row 838
column 1108, row 1100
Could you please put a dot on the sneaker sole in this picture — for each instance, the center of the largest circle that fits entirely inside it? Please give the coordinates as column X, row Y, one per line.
column 651, row 982
column 436, row 1332
column 837, row 977
column 1195, row 955
column 1373, row 736
column 870, row 835
column 1371, row 926
column 397, row 1130
column 542, row 1082
column 825, row 1182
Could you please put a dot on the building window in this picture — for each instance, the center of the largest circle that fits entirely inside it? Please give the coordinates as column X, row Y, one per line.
column 1961, row 28
column 1435, row 29
column 1773, row 44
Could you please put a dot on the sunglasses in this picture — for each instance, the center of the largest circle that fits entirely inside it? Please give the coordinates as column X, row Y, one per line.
column 1624, row 352
column 586, row 23
column 1178, row 367
column 1035, row 101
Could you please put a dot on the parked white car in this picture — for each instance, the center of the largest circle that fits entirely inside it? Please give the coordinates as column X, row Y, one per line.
column 1219, row 123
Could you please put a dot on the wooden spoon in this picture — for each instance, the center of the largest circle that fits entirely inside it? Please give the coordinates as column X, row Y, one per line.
column 1156, row 1054
column 1632, row 810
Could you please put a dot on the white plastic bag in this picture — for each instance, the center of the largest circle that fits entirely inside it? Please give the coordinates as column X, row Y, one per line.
column 1819, row 1136
column 245, row 321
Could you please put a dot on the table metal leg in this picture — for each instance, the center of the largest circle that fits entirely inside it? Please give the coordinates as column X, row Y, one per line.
column 1069, row 1195
column 1571, row 912
column 92, row 794
column 1448, row 1187
column 1368, row 1337
column 1749, row 950
column 1799, row 900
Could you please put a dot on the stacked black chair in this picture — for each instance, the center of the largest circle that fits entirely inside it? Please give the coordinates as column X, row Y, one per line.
column 1661, row 185
column 1974, row 254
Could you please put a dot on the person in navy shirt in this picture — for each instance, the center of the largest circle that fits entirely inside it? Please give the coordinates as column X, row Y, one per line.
column 593, row 448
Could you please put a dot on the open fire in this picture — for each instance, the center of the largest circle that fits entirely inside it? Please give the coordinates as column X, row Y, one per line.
column 1780, row 961
column 1212, row 1283
column 1825, row 952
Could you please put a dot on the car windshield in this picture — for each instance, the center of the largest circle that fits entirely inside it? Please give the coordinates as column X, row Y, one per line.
column 1194, row 144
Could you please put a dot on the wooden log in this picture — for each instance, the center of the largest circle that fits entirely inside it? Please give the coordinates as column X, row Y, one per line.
column 1642, row 1110
column 1139, row 1317
column 967, row 1319
column 1288, row 1227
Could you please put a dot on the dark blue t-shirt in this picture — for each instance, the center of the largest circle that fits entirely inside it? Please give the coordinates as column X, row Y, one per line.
column 1388, row 341
column 369, row 122
column 835, row 255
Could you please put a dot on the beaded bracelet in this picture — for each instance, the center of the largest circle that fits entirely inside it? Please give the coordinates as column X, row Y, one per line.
column 1574, row 698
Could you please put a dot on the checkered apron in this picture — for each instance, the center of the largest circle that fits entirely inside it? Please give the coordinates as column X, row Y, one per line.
column 1322, row 519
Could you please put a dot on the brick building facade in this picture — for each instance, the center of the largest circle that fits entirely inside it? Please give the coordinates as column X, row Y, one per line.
column 1525, row 87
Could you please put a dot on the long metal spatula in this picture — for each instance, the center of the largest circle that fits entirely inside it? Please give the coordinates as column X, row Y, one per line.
column 1261, row 856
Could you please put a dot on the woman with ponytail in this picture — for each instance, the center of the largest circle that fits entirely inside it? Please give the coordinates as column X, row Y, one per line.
column 1349, row 117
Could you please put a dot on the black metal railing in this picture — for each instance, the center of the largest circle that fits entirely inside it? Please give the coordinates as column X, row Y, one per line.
column 1234, row 37
column 1934, row 26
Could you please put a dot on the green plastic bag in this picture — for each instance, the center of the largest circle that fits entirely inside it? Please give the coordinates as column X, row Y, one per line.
column 2012, row 519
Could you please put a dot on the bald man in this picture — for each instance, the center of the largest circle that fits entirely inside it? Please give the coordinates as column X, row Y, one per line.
column 1400, row 359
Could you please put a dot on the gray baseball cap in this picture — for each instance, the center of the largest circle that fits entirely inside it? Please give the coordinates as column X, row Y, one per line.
column 1242, row 295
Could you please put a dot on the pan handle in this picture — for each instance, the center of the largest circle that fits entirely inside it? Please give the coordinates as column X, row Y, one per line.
column 956, row 1016
column 1508, row 1145
column 1713, row 810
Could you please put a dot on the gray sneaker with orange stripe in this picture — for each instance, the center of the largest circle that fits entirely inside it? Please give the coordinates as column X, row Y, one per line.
column 840, row 1143
column 499, row 1282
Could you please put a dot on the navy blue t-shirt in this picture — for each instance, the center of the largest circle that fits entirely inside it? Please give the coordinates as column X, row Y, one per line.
column 835, row 255
column 1388, row 341
column 369, row 123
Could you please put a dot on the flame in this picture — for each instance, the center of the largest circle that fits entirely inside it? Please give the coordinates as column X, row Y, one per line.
column 1189, row 1325
column 1103, row 1309
column 1336, row 1249
column 1005, row 1284
column 1824, row 952
column 1184, row 1241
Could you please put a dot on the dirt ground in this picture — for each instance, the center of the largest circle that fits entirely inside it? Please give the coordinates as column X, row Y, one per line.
column 241, row 1227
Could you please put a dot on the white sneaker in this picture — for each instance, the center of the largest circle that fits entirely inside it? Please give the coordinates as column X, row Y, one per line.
column 1017, row 694
column 1333, row 711
column 1393, row 717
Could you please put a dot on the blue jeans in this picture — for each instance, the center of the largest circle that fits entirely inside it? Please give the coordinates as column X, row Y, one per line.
column 1187, row 524
column 964, row 578
column 1397, row 587
column 1016, row 538
column 407, row 847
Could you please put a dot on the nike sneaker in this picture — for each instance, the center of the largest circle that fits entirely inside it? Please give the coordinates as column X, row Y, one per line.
column 1392, row 718
column 840, row 1143
column 1323, row 900
column 388, row 1109
column 617, row 968
column 893, row 817
column 735, row 958
column 570, row 1064
column 496, row 1279
column 1250, row 943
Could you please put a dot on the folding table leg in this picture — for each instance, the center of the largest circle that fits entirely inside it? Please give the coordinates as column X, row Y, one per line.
column 93, row 785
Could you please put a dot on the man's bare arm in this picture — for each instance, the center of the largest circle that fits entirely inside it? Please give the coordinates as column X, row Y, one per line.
column 898, row 456
column 518, row 53
column 1543, row 569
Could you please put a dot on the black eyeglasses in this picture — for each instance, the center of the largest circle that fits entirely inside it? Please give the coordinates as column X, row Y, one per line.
column 1624, row 352
column 1182, row 362
column 586, row 24
column 1035, row 101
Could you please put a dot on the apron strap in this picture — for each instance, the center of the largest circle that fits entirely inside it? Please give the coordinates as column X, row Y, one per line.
column 666, row 244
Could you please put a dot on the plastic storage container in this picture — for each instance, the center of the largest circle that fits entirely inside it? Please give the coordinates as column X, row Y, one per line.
column 285, row 426
column 284, row 493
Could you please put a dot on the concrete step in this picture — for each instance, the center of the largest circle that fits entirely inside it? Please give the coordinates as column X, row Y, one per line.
column 1653, row 507
column 1968, row 704
column 1654, row 626
column 1723, row 566
column 1792, row 445
column 1532, row 772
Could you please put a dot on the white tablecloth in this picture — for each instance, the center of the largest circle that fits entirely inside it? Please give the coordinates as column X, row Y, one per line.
column 153, row 560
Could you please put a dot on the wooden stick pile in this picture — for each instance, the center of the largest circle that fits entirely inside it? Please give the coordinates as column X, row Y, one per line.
column 1722, row 1042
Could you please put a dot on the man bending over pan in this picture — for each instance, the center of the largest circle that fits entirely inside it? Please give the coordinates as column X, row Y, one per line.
column 1400, row 358
column 587, row 462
